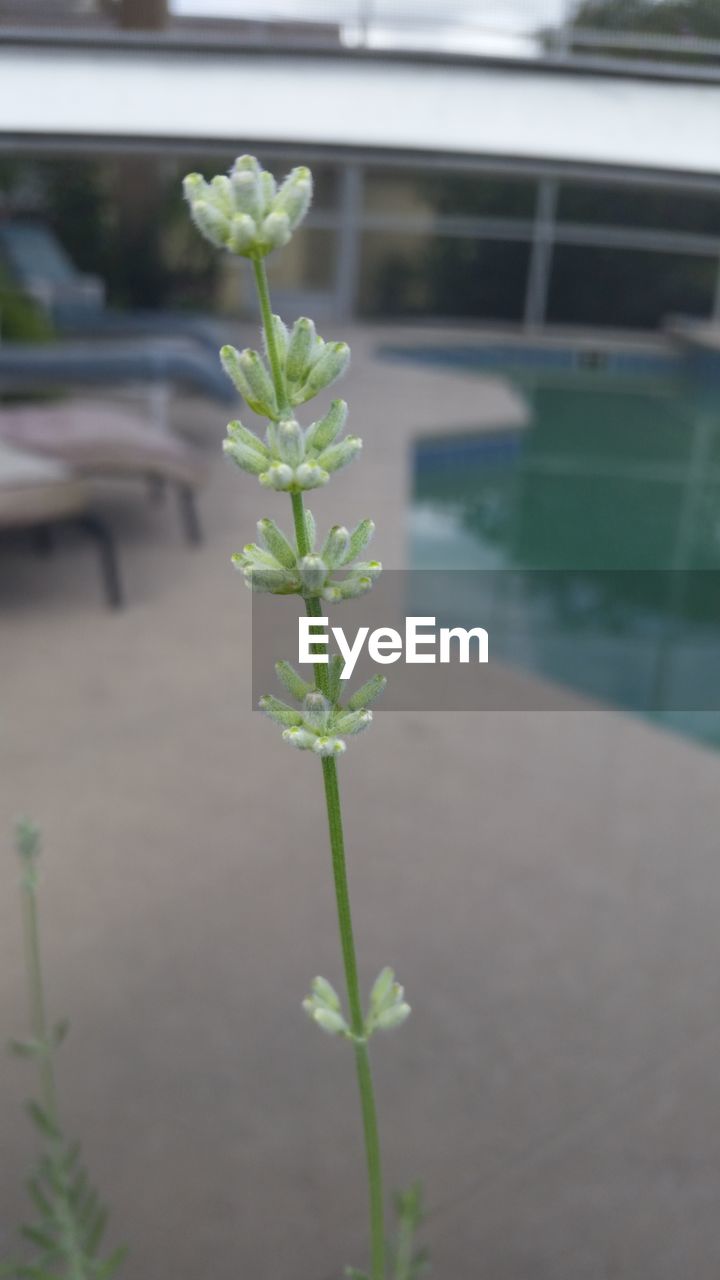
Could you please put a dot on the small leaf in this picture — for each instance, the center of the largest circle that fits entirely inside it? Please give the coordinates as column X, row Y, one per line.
column 42, row 1120
column 39, row 1237
column 27, row 1048
column 60, row 1030
column 113, row 1262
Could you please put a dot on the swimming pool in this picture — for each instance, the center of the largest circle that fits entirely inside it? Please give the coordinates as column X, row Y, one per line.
column 609, row 496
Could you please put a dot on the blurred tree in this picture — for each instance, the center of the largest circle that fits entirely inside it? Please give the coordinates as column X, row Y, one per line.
column 700, row 18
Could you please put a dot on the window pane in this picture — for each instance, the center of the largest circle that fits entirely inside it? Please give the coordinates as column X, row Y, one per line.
column 627, row 288
column 625, row 206
column 443, row 276
column 437, row 192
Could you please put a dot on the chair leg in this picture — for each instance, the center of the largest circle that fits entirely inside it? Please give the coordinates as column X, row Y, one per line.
column 189, row 514
column 98, row 530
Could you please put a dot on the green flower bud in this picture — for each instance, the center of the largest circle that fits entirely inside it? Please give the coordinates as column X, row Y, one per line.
column 290, row 442
column 316, row 711
column 328, row 746
column 322, row 433
column 294, row 196
column 278, row 582
column 382, row 989
column 211, row 223
column 331, row 365
column 301, row 343
column 339, row 455
column 352, row 587
column 313, row 572
column 328, row 1019
column 249, row 375
column 294, row 683
column 275, row 230
column 299, row 738
column 367, row 692
column 353, row 721
column 392, row 1017
column 220, row 191
column 367, row 568
column 276, row 543
column 359, row 539
column 280, row 711
column 246, row 192
column 194, row 187
column 325, row 994
column 335, row 546
column 240, row 435
column 255, row 555
column 242, row 233
column 281, row 336
column 268, row 186
column 279, row 476
column 310, row 476
column 247, row 458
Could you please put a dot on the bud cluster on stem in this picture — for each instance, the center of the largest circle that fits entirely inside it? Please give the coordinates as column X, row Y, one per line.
column 247, row 213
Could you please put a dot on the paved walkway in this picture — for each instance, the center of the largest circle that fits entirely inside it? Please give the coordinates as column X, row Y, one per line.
column 547, row 885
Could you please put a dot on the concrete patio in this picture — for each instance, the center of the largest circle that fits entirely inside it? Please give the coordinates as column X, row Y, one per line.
column 547, row 885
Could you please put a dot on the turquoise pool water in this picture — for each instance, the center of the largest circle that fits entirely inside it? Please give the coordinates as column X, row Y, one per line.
column 614, row 486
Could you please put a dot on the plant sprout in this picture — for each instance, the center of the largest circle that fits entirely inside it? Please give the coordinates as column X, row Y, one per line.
column 69, row 1225
column 246, row 213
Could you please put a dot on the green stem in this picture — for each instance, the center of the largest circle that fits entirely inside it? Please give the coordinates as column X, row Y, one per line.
column 337, row 849
column 263, row 289
column 357, row 1022
column 38, row 1015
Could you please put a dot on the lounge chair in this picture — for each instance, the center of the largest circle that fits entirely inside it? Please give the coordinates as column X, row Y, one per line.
column 102, row 439
column 40, row 267
column 37, row 494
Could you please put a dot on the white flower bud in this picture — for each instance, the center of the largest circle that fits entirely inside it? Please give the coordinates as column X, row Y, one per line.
column 367, row 693
column 294, row 683
column 382, row 988
column 313, row 572
column 299, row 738
column 328, row 746
column 249, row 459
column 290, row 442
column 310, row 476
column 279, row 476
column 392, row 1017
column 352, row 722
column 240, row 434
column 325, row 994
column 243, row 233
column 316, row 711
column 249, row 375
column 329, row 1020
column 352, row 586
column 275, row 230
column 310, row 530
column 322, row 433
column 246, row 192
column 280, row 711
column 359, row 539
column 220, row 192
column 276, row 543
column 335, row 546
column 213, row 224
column 301, row 344
column 332, row 364
column 294, row 196
column 339, row 455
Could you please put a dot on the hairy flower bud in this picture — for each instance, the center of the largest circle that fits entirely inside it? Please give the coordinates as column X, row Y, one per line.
column 246, row 457
column 310, row 476
column 327, row 369
column 322, row 433
column 339, row 455
column 313, row 572
column 290, row 442
column 335, row 546
column 278, row 476
column 294, row 196
column 276, row 543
